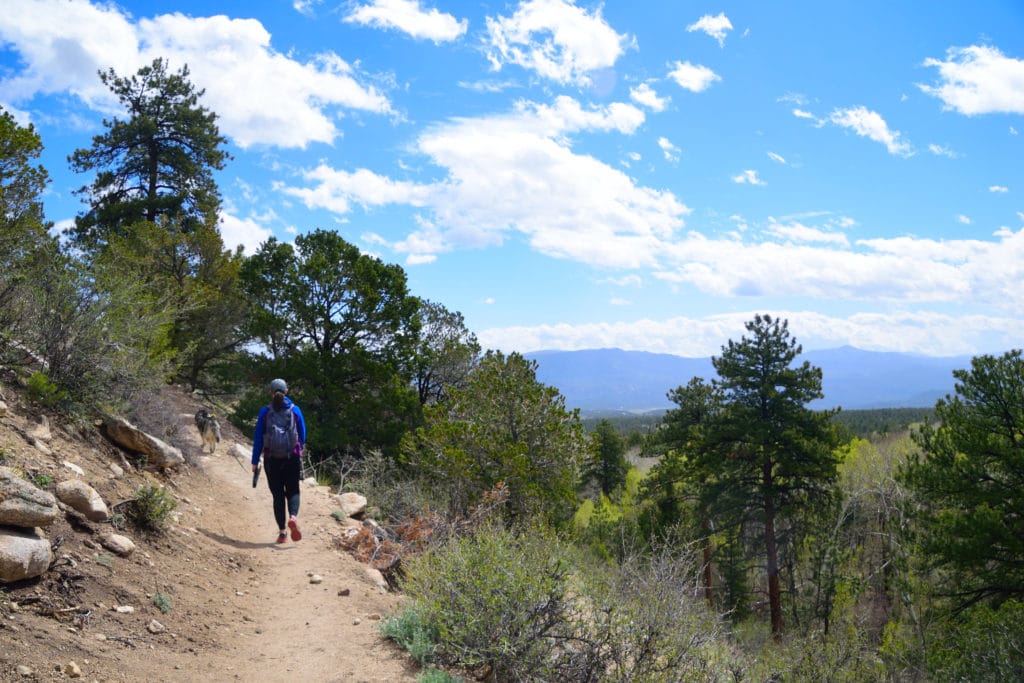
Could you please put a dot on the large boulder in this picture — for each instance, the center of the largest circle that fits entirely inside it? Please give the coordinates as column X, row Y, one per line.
column 23, row 504
column 84, row 499
column 158, row 453
column 23, row 554
column 352, row 504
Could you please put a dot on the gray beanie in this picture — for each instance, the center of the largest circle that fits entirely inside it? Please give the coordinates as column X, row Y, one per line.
column 279, row 385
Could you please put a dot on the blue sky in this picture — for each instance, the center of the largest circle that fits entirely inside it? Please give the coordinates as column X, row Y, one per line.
column 568, row 175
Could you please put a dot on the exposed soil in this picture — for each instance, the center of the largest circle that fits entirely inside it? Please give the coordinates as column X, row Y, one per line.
column 241, row 607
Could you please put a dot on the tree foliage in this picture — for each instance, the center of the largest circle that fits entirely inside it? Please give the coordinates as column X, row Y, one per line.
column 341, row 326
column 607, row 465
column 503, row 426
column 157, row 163
column 969, row 481
column 446, row 353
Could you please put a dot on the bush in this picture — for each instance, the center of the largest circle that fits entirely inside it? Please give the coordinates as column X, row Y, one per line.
column 411, row 632
column 985, row 645
column 497, row 600
column 44, row 392
column 152, row 507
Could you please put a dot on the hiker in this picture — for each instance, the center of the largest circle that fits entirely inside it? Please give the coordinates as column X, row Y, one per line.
column 279, row 438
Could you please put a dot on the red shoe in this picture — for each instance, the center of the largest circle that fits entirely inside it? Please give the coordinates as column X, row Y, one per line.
column 282, row 537
column 294, row 526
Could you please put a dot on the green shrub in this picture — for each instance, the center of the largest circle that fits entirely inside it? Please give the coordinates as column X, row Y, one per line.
column 42, row 481
column 986, row 644
column 497, row 600
column 432, row 675
column 44, row 392
column 152, row 507
column 410, row 631
column 162, row 602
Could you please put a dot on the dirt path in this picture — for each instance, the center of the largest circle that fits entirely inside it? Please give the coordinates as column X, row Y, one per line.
column 292, row 629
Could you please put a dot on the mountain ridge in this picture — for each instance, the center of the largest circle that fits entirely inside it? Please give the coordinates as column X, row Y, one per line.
column 637, row 381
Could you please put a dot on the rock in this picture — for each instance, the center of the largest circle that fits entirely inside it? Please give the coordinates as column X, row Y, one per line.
column 155, row 627
column 344, row 592
column 84, row 499
column 122, row 545
column 3, row 409
column 116, row 470
column 352, row 504
column 23, row 554
column 73, row 670
column 24, row 671
column 157, row 452
column 23, row 504
column 74, row 468
column 124, row 609
column 42, row 430
column 316, row 578
column 377, row 578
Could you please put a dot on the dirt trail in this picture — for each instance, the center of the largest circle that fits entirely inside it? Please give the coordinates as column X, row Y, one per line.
column 292, row 629
column 243, row 607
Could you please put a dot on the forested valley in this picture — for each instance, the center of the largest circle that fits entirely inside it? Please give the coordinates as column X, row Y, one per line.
column 759, row 540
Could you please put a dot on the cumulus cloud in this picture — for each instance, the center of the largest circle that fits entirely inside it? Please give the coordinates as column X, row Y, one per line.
column 261, row 95
column 716, row 26
column 670, row 151
column 645, row 95
column 871, row 125
column 693, row 77
column 556, row 39
column 496, row 167
column 978, row 80
column 244, row 232
column 748, row 177
column 409, row 17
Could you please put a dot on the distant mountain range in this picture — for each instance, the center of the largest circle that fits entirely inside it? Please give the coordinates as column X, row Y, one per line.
column 636, row 381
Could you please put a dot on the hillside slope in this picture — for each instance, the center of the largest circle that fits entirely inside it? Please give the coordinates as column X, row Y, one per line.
column 241, row 606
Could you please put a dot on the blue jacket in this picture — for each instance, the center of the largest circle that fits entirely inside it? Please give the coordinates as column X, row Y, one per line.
column 261, row 424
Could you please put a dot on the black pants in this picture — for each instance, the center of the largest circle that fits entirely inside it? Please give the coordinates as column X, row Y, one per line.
column 283, row 478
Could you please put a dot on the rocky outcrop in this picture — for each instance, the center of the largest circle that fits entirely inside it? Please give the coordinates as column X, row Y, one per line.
column 23, row 504
column 158, row 453
column 23, row 554
column 83, row 499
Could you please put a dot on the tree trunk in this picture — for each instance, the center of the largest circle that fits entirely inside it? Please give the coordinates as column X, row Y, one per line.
column 705, row 525
column 774, row 593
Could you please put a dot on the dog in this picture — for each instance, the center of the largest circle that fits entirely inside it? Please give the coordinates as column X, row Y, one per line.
column 209, row 430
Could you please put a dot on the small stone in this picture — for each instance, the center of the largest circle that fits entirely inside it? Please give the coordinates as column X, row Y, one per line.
column 77, row 470
column 344, row 592
column 155, row 627
column 122, row 545
column 116, row 470
column 373, row 617
column 100, row 637
column 357, row 621
column 124, row 609
column 24, row 670
column 316, row 578
column 73, row 670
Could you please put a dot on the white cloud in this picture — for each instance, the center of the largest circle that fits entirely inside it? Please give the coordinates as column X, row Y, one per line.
column 260, row 95
column 978, row 80
column 799, row 233
column 965, row 220
column 801, row 114
column 409, row 17
column 942, row 151
column 644, row 95
column 871, row 125
column 556, row 39
column 716, row 27
column 999, row 189
column 748, row 177
column 670, row 151
column 619, row 301
column 244, row 232
column 495, row 168
column 693, row 76
column 920, row 332
column 776, row 157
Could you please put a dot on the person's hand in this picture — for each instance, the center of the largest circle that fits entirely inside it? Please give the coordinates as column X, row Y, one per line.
column 255, row 467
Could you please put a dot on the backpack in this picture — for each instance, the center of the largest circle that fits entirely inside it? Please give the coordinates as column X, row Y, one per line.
column 281, row 434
